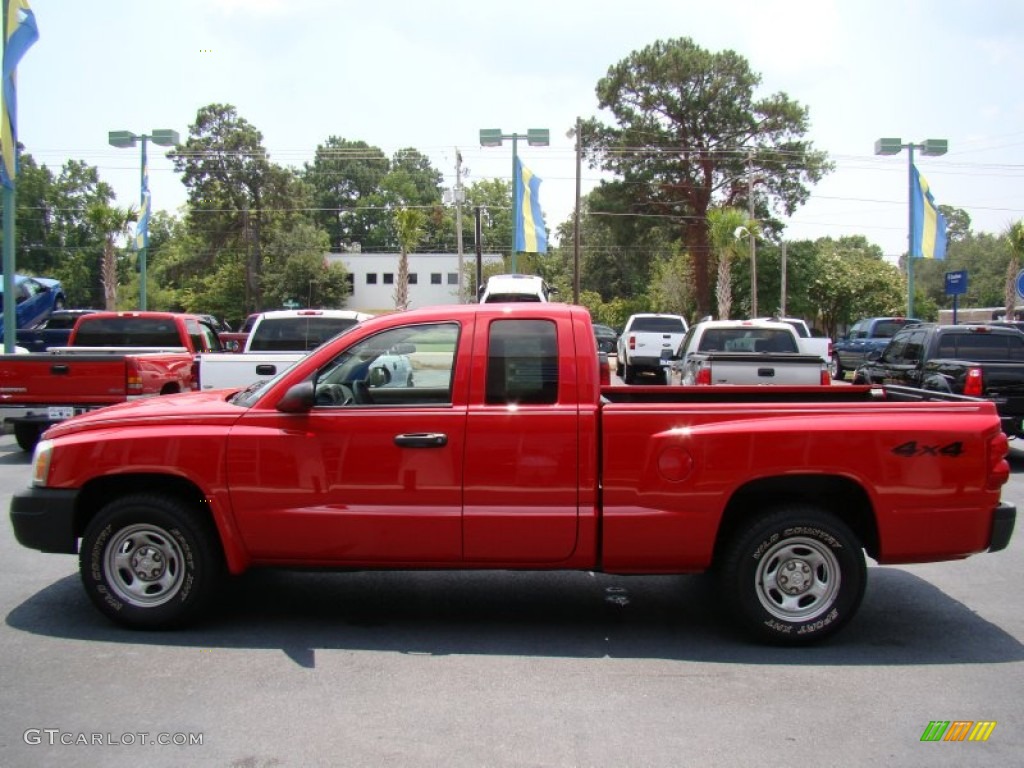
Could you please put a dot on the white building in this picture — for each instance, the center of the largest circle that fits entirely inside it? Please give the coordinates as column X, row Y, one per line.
column 433, row 278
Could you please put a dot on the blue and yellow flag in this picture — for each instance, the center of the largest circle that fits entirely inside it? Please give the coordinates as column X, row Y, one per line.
column 21, row 31
column 531, row 235
column 929, row 225
column 142, row 229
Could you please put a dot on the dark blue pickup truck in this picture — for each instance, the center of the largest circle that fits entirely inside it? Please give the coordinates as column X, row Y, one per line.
column 871, row 334
column 53, row 332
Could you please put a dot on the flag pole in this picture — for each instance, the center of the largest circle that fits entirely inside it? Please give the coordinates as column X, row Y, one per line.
column 8, row 220
column 912, row 239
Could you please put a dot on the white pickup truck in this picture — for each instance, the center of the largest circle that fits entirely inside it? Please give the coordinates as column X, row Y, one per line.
column 647, row 341
column 277, row 341
column 750, row 352
column 809, row 344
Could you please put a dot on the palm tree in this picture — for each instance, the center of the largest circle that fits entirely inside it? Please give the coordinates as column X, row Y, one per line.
column 410, row 223
column 723, row 225
column 111, row 222
column 1015, row 236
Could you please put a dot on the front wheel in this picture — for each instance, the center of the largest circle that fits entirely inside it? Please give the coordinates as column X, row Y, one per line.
column 26, row 434
column 793, row 577
column 149, row 562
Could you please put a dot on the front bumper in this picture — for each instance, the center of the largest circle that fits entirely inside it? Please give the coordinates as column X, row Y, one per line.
column 44, row 519
column 1003, row 518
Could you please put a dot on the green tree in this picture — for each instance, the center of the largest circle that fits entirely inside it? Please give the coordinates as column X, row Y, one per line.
column 691, row 135
column 295, row 269
column 723, row 226
column 854, row 281
column 1015, row 238
column 409, row 222
column 617, row 248
column 343, row 174
column 671, row 287
column 411, row 182
column 226, row 171
column 112, row 223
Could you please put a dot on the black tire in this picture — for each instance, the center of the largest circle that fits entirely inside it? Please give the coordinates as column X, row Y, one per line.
column 837, row 369
column 27, row 435
column 629, row 374
column 618, row 366
column 150, row 563
column 793, row 577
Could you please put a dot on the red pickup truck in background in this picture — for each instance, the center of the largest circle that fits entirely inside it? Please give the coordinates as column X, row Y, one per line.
column 111, row 357
column 505, row 452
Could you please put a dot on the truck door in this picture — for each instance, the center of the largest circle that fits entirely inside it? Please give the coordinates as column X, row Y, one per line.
column 522, row 442
column 373, row 474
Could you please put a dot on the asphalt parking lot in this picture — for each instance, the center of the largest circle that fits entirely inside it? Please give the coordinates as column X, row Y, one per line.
column 505, row 669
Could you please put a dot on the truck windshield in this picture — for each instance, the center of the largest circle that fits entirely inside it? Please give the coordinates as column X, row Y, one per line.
column 747, row 340
column 128, row 332
column 658, row 324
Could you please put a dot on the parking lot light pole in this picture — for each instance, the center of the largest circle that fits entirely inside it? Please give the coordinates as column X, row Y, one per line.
column 165, row 137
column 535, row 137
column 929, row 148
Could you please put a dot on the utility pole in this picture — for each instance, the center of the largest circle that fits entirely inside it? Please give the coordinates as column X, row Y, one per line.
column 753, row 247
column 782, row 301
column 576, row 219
column 459, row 196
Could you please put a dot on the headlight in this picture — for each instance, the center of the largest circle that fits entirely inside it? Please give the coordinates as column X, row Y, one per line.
column 41, row 462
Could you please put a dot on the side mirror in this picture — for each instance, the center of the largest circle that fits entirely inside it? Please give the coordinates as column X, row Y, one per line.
column 298, row 399
column 231, row 346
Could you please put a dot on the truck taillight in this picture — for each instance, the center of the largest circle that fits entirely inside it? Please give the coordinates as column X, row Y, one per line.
column 826, row 377
column 973, row 384
column 998, row 467
column 632, row 343
column 194, row 384
column 703, row 376
column 133, row 377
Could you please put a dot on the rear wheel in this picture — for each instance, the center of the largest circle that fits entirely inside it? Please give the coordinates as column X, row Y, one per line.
column 629, row 376
column 793, row 577
column 149, row 562
column 27, row 435
column 837, row 369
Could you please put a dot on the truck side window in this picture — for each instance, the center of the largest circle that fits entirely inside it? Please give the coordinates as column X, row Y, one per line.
column 409, row 365
column 522, row 363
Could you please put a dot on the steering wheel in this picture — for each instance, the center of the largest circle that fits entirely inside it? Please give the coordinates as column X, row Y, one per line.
column 334, row 394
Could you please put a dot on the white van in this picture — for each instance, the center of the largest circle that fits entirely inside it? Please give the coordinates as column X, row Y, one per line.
column 504, row 288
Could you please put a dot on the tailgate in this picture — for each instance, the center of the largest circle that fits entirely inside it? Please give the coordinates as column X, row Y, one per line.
column 56, row 379
column 753, row 369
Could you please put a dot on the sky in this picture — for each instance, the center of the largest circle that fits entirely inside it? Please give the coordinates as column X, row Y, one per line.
column 431, row 73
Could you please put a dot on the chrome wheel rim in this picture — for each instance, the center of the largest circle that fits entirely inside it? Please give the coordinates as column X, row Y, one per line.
column 145, row 565
column 797, row 579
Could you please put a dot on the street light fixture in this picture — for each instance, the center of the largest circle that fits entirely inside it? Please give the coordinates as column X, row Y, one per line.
column 535, row 137
column 165, row 137
column 929, row 148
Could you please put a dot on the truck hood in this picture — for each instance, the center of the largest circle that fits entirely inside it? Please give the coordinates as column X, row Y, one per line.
column 210, row 407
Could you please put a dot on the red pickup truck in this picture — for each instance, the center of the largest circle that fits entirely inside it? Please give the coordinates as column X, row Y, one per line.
column 505, row 452
column 110, row 357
